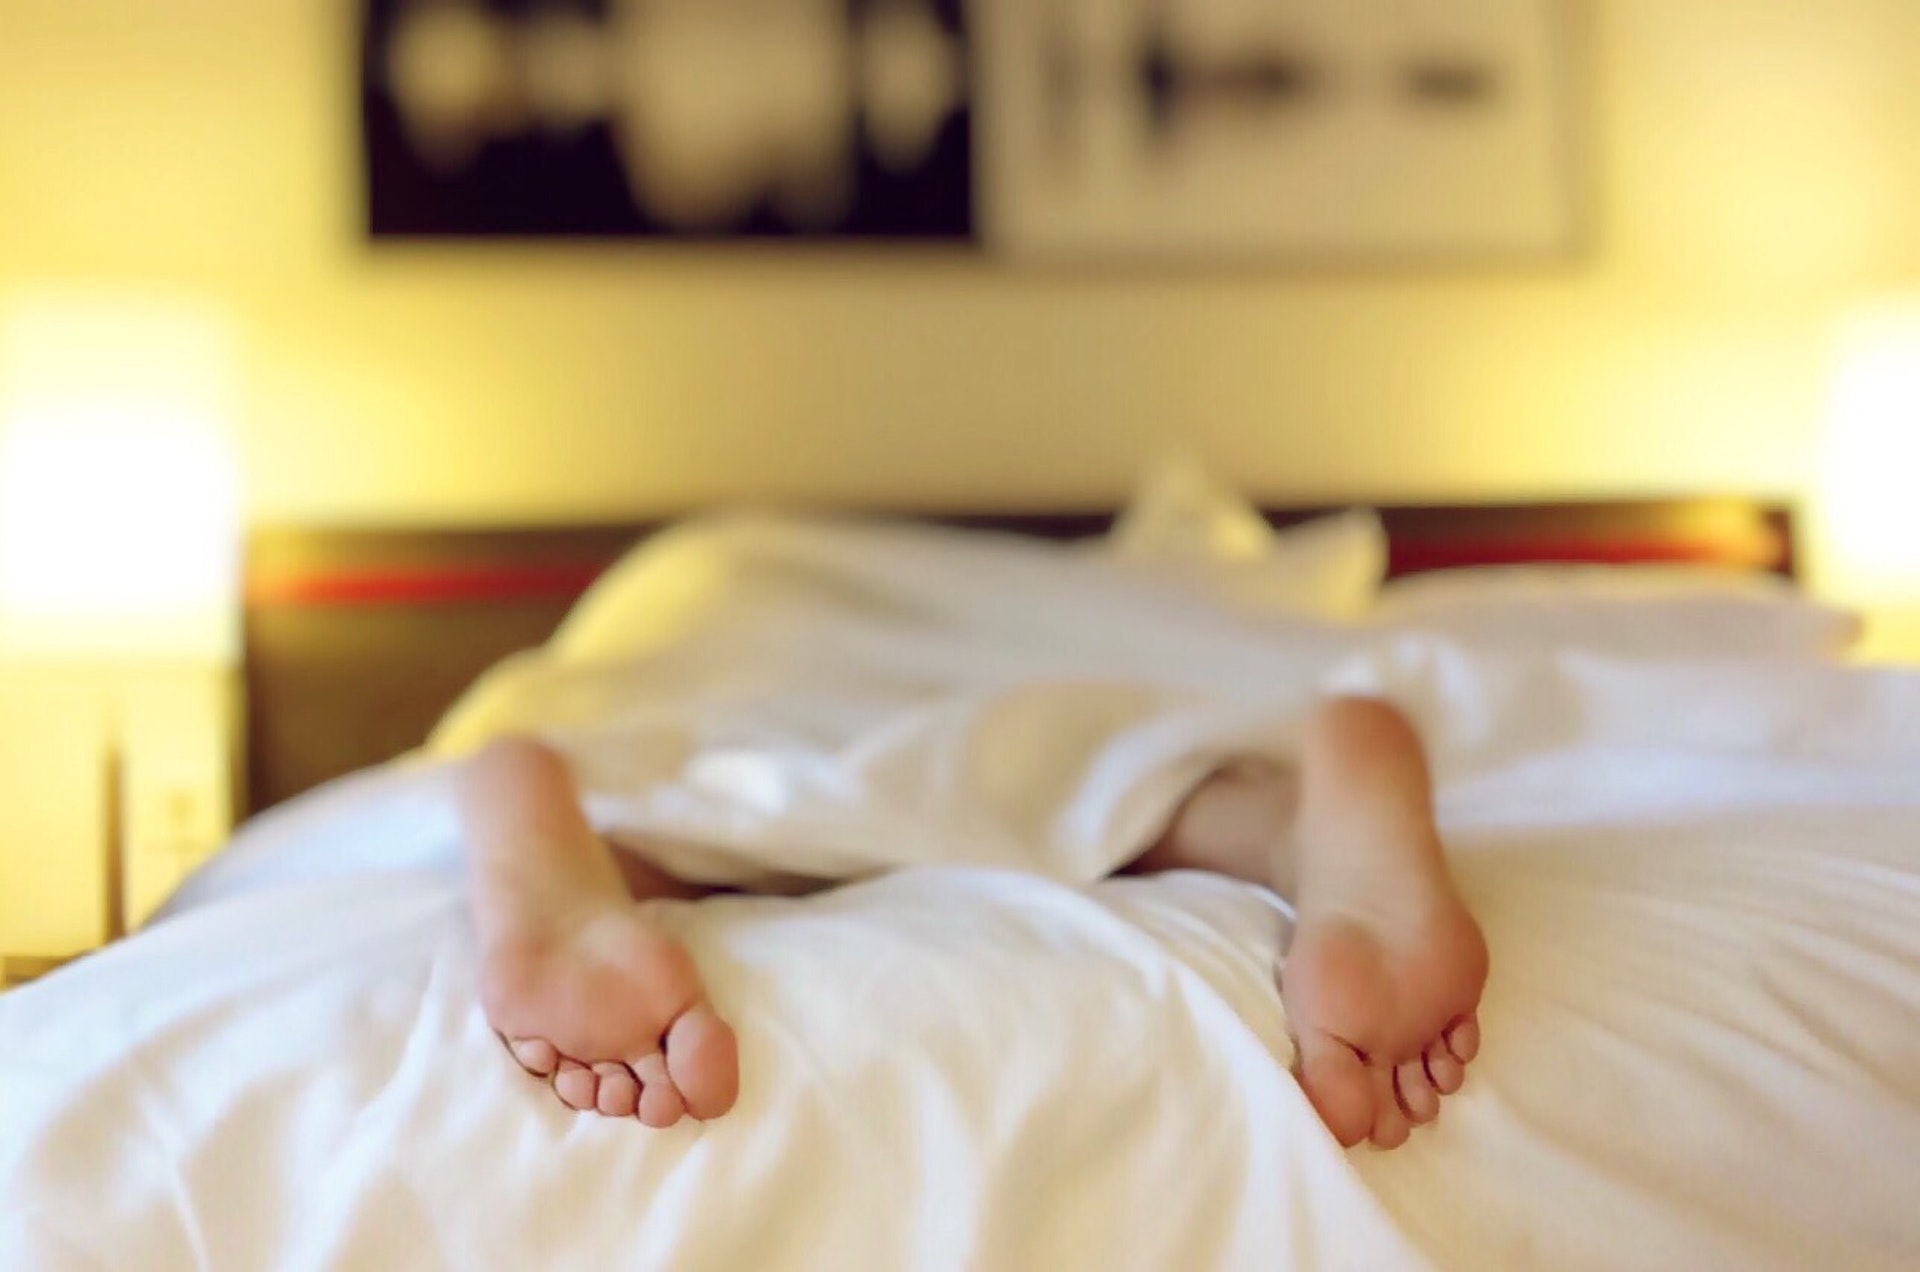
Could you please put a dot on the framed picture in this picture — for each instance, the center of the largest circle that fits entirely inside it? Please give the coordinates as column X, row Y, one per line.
column 1032, row 130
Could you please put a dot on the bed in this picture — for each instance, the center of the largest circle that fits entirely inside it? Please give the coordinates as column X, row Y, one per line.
column 1690, row 830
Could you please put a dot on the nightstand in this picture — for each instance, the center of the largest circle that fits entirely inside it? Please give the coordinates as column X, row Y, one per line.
column 114, row 784
column 53, row 823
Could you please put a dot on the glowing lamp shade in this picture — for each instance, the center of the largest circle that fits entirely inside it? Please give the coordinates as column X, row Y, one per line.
column 119, row 507
column 1869, row 502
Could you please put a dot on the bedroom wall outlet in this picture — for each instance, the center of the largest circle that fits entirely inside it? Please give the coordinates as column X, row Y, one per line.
column 177, row 778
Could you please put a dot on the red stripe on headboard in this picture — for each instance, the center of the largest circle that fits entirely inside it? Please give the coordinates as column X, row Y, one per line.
column 1418, row 557
column 566, row 581
column 441, row 586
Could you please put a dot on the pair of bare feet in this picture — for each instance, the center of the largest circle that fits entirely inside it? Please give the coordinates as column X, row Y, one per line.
column 1381, row 982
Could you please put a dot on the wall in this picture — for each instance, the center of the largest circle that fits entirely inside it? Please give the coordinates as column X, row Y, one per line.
column 1757, row 162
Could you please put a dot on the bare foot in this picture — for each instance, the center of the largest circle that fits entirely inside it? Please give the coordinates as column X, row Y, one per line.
column 1381, row 984
column 612, row 1012
column 584, row 991
column 1383, row 977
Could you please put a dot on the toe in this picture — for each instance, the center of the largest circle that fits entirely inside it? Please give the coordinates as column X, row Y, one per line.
column 1418, row 1100
column 1390, row 1125
column 577, row 1086
column 619, row 1094
column 661, row 1104
column 1463, row 1038
column 536, row 1055
column 1444, row 1069
column 704, row 1062
column 1336, row 1082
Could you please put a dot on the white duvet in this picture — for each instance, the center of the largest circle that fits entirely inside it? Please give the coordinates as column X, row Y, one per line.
column 1700, row 883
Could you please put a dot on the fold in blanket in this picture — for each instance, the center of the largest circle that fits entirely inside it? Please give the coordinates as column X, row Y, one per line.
column 753, row 700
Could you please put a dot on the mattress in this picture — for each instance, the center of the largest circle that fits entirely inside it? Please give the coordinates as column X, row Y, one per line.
column 1699, row 880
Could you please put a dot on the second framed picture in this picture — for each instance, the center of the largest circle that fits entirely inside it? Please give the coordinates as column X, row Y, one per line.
column 1110, row 131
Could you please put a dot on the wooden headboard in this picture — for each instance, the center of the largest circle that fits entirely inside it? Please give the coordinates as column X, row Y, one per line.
column 358, row 640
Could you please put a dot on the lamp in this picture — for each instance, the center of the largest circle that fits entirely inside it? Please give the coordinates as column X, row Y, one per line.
column 1868, row 501
column 119, row 518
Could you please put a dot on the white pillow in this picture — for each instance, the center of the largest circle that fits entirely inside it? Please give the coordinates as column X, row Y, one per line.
column 738, row 581
column 1176, row 541
column 1180, row 515
column 1182, row 524
column 1641, row 610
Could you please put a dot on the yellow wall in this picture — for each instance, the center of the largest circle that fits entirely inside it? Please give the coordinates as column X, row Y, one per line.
column 1757, row 162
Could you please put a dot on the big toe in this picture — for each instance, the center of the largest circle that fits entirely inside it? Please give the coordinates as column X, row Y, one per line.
column 1338, row 1085
column 703, row 1058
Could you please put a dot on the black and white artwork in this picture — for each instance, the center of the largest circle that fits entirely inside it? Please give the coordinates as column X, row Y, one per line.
column 807, row 119
column 1042, row 130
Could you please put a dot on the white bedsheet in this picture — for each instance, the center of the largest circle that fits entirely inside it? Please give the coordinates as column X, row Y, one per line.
column 1700, row 884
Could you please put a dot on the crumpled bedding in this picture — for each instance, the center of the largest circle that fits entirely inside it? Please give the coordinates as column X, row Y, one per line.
column 1700, row 882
